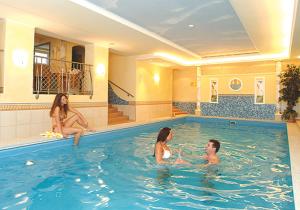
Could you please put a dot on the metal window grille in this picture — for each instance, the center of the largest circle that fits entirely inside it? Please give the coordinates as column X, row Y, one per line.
column 51, row 76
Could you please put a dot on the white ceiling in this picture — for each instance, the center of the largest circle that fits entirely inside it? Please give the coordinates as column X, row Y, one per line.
column 144, row 27
column 201, row 26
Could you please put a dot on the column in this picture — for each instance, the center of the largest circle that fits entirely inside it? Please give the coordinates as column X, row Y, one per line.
column 198, row 108
column 278, row 107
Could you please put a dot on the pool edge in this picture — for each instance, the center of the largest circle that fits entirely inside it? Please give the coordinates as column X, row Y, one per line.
column 294, row 145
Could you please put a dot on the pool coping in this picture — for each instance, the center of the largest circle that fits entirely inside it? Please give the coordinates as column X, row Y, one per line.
column 293, row 132
column 294, row 145
column 42, row 139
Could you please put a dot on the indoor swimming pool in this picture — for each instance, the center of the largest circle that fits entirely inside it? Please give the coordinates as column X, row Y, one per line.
column 116, row 169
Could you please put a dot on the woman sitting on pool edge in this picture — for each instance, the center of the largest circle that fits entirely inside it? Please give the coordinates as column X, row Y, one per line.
column 162, row 151
column 63, row 124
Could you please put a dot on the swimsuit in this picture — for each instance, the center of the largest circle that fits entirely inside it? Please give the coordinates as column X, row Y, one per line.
column 62, row 116
column 167, row 154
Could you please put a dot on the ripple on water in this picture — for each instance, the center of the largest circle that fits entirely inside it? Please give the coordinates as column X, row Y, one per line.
column 121, row 172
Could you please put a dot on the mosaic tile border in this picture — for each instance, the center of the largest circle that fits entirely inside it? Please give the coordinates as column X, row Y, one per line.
column 238, row 106
column 37, row 106
column 188, row 107
column 113, row 98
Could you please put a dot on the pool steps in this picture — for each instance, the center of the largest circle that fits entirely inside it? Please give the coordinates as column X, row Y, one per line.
column 177, row 111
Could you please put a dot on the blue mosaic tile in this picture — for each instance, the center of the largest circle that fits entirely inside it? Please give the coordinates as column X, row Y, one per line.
column 113, row 98
column 239, row 107
column 188, row 107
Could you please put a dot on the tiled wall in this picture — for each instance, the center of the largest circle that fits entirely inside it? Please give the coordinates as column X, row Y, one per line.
column 128, row 110
column 188, row 107
column 23, row 126
column 151, row 111
column 113, row 98
column 17, row 125
column 239, row 106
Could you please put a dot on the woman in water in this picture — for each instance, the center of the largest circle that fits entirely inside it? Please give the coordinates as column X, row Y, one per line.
column 162, row 152
column 61, row 123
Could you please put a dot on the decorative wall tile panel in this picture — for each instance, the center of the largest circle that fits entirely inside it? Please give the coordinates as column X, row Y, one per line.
column 188, row 107
column 239, row 106
column 113, row 98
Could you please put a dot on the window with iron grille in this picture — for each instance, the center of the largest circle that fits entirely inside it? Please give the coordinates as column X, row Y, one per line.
column 52, row 72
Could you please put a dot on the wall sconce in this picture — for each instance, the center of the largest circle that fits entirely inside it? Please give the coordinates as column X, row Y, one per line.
column 20, row 58
column 100, row 70
column 156, row 78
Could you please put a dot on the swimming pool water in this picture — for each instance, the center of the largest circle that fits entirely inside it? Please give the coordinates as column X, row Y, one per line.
column 117, row 170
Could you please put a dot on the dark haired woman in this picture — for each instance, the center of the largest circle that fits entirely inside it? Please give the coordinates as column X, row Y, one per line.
column 63, row 124
column 162, row 152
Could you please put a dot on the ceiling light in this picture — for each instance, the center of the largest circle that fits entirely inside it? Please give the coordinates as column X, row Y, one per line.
column 224, row 59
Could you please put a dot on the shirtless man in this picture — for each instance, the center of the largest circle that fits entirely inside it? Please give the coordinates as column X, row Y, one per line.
column 211, row 149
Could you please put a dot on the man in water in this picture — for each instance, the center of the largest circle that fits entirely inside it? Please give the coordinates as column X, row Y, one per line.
column 211, row 150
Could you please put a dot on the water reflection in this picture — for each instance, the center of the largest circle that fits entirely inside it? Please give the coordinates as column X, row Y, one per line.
column 208, row 179
column 163, row 177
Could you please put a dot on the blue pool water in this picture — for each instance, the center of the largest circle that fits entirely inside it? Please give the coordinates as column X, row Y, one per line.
column 117, row 170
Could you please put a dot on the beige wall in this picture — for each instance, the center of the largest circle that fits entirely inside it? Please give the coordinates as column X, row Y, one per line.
column 17, row 126
column 152, row 99
column 97, row 56
column 239, row 68
column 2, row 36
column 145, row 113
column 122, row 71
column 147, row 89
column 18, row 80
column 185, row 85
column 247, row 85
column 246, row 72
column 21, row 91
column 59, row 49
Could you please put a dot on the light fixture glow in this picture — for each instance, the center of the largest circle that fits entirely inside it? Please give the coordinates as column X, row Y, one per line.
column 171, row 58
column 156, row 78
column 100, row 70
column 224, row 59
column 287, row 16
column 20, row 58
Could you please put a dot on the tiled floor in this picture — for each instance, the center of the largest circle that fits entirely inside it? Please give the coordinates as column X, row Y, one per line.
column 294, row 145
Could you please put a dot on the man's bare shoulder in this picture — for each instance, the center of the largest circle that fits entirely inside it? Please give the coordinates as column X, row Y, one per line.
column 214, row 160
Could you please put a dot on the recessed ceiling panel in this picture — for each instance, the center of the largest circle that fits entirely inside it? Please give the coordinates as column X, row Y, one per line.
column 205, row 27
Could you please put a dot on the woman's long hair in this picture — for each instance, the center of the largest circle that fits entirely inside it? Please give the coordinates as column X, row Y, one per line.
column 162, row 136
column 57, row 102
